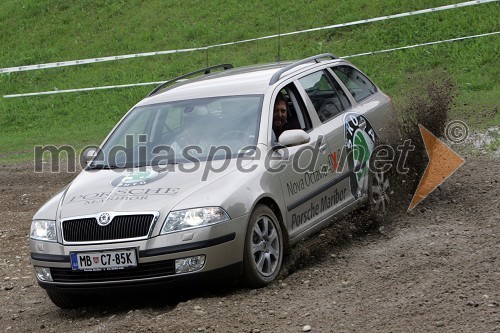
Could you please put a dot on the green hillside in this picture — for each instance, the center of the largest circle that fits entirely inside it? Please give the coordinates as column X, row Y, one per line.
column 36, row 31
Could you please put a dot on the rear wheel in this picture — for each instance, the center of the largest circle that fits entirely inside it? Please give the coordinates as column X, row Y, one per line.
column 66, row 300
column 379, row 190
column 263, row 253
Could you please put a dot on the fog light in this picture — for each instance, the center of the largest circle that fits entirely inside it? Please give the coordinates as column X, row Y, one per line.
column 190, row 264
column 43, row 274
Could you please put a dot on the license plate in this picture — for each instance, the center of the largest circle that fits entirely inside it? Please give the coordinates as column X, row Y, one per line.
column 107, row 260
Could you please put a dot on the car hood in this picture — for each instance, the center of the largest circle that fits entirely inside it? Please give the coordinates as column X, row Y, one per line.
column 139, row 190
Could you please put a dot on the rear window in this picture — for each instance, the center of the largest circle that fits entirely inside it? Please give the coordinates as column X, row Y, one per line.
column 358, row 84
column 327, row 97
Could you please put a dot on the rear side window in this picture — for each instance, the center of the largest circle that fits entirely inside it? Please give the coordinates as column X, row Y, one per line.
column 358, row 85
column 325, row 94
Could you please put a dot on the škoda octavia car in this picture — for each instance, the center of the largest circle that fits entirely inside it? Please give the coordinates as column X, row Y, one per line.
column 215, row 174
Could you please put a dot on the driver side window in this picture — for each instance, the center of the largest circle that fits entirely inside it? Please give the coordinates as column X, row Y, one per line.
column 295, row 116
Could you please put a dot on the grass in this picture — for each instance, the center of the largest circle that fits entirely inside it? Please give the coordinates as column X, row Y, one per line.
column 48, row 31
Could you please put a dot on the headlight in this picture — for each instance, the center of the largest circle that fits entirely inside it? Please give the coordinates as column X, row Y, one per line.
column 43, row 230
column 192, row 218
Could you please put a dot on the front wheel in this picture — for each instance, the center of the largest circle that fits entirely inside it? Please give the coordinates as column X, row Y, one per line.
column 263, row 253
column 66, row 300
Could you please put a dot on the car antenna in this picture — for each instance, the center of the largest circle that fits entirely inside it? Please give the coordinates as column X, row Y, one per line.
column 279, row 39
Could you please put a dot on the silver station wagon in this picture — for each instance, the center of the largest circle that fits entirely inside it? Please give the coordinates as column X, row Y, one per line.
column 215, row 174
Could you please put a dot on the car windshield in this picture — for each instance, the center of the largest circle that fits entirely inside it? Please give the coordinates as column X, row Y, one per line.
column 183, row 131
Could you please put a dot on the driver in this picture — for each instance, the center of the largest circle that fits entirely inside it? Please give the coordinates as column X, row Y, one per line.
column 280, row 116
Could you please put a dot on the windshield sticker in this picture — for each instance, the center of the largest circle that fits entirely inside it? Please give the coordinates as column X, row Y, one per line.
column 360, row 138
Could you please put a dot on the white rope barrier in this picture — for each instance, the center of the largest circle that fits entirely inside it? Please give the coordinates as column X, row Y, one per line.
column 52, row 92
column 160, row 82
column 148, row 54
column 422, row 44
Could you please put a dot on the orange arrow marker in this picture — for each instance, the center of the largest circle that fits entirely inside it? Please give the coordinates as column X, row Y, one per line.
column 442, row 163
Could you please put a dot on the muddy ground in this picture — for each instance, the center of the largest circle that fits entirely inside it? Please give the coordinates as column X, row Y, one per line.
column 435, row 269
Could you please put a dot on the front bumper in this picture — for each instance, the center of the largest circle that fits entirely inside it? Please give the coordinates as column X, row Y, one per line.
column 222, row 244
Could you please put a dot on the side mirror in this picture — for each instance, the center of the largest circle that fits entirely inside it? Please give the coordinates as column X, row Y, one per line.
column 88, row 155
column 294, row 137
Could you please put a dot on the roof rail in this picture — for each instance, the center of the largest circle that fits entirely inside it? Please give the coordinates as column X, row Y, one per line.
column 315, row 58
column 200, row 71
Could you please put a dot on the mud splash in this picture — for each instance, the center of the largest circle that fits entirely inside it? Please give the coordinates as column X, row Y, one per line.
column 429, row 100
column 428, row 103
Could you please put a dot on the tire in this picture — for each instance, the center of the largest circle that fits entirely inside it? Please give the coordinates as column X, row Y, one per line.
column 379, row 191
column 66, row 300
column 263, row 252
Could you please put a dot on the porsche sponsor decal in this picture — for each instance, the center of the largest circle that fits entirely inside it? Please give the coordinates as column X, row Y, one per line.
column 123, row 194
column 360, row 138
column 126, row 188
column 316, row 207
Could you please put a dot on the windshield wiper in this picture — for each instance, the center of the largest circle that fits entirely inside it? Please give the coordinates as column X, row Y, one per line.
column 99, row 166
column 104, row 167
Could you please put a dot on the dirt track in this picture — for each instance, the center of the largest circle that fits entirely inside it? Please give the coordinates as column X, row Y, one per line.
column 436, row 269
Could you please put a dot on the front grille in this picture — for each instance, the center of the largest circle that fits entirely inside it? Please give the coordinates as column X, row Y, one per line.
column 142, row 271
column 121, row 227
